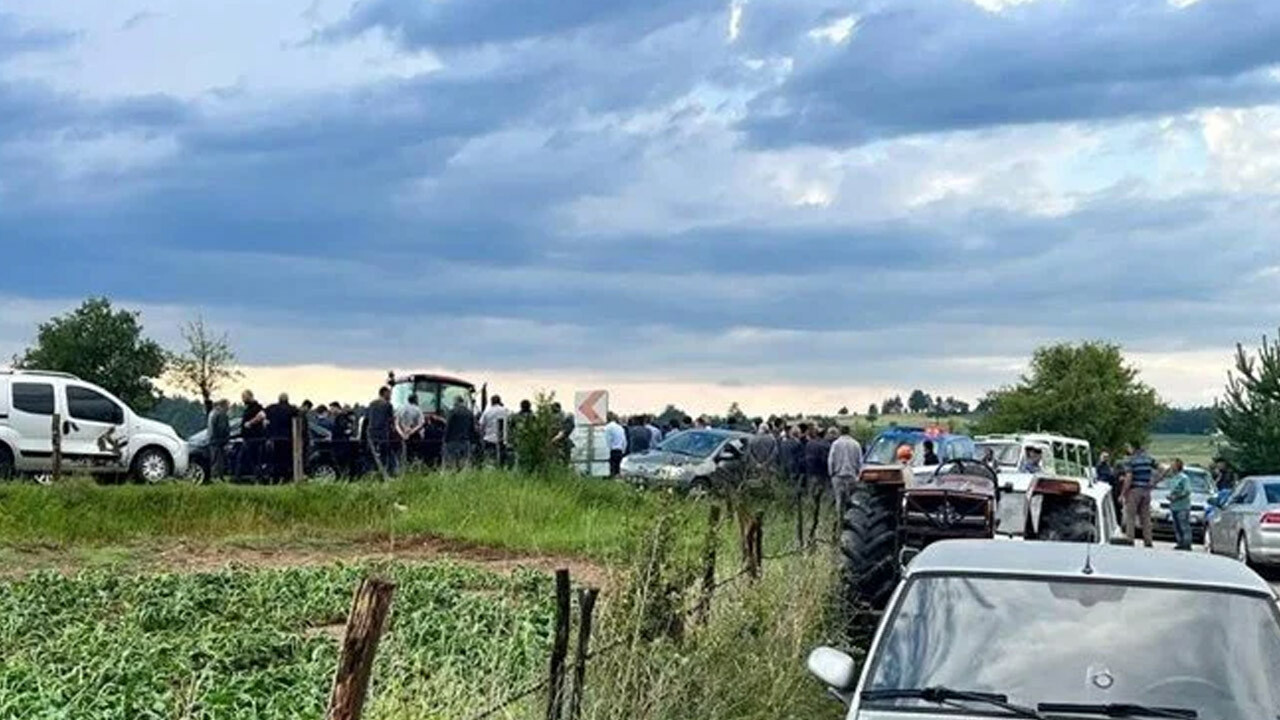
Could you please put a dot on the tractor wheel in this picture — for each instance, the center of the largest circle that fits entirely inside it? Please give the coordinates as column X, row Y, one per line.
column 1074, row 521
column 869, row 546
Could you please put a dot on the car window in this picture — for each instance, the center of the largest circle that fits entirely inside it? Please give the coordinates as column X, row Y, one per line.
column 34, row 398
column 86, row 404
column 1273, row 493
column 1244, row 494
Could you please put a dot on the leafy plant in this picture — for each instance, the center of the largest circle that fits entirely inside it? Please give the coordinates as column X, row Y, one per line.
column 1249, row 416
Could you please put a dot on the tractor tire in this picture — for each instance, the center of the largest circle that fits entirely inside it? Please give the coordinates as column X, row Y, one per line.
column 869, row 546
column 1075, row 521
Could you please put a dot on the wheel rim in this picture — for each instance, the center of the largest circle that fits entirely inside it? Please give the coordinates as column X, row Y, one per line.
column 153, row 467
column 324, row 474
column 195, row 474
column 42, row 478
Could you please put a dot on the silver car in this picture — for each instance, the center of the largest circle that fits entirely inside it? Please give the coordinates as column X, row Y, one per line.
column 1246, row 525
column 1201, row 491
column 686, row 460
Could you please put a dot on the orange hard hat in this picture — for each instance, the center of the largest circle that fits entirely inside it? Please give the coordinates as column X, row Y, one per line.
column 905, row 453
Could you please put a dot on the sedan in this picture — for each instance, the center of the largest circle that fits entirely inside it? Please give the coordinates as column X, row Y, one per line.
column 1201, row 491
column 1247, row 524
column 686, row 460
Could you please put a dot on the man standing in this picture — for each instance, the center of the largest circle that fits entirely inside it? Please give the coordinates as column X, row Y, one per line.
column 792, row 452
column 459, row 435
column 1180, row 505
column 638, row 437
column 843, row 465
column 379, row 418
column 1224, row 478
column 219, row 426
column 762, row 456
column 494, row 431
column 253, row 428
column 280, row 416
column 409, row 423
column 616, row 438
column 1138, row 475
column 655, row 433
column 816, row 453
column 563, row 439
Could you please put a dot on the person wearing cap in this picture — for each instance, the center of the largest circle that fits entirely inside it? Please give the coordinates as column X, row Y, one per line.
column 905, row 454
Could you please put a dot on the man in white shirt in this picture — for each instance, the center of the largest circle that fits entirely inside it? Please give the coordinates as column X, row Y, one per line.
column 495, row 426
column 844, row 462
column 616, row 437
column 409, row 423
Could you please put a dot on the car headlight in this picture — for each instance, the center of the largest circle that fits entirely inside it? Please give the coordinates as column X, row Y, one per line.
column 671, row 472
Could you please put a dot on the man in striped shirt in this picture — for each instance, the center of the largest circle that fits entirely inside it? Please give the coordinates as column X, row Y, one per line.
column 1139, row 475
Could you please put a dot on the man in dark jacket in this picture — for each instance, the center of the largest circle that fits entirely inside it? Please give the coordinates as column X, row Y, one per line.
column 253, row 432
column 816, row 453
column 638, row 436
column 459, row 435
column 280, row 416
column 219, row 437
column 379, row 418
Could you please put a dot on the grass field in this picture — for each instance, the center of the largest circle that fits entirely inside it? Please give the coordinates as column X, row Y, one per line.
column 260, row 641
column 1193, row 449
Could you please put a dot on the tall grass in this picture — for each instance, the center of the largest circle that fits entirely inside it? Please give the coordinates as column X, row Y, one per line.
column 501, row 510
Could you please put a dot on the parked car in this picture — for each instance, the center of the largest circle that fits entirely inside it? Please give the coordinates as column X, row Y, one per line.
column 1202, row 490
column 100, row 435
column 993, row 629
column 686, row 460
column 1246, row 525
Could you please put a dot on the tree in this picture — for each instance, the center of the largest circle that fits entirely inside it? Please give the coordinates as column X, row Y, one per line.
column 873, row 411
column 1085, row 390
column 1185, row 421
column 919, row 401
column 207, row 364
column 669, row 415
column 1249, row 416
column 734, row 417
column 844, row 410
column 103, row 346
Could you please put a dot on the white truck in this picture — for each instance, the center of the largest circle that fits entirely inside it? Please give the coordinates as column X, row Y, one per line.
column 100, row 434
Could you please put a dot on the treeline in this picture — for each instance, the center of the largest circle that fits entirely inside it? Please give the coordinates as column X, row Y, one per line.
column 1188, row 421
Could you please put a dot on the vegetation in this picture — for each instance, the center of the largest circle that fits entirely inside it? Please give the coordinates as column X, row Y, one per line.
column 261, row 644
column 561, row 514
column 206, row 365
column 103, row 346
column 1084, row 390
column 1249, row 415
column 184, row 415
column 1188, row 421
column 533, row 435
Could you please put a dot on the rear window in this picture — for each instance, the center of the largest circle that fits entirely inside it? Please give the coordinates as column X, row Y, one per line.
column 1273, row 493
column 33, row 398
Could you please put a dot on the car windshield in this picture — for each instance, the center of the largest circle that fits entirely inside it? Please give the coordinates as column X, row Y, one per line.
column 695, row 443
column 885, row 448
column 1005, row 453
column 1085, row 642
column 1199, row 480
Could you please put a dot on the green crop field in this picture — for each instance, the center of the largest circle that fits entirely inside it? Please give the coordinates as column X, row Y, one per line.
column 259, row 643
column 1193, row 449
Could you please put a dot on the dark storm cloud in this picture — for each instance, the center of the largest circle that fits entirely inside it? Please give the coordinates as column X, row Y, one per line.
column 917, row 67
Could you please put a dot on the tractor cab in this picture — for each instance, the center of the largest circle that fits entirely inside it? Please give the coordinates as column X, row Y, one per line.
column 437, row 394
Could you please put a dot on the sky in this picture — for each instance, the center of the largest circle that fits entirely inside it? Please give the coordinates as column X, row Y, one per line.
column 792, row 204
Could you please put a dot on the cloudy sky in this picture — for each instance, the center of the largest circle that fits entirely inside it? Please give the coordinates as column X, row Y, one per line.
column 795, row 204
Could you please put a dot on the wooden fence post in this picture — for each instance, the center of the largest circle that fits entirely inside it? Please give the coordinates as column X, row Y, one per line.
column 559, row 648
column 709, row 564
column 759, row 544
column 752, row 556
column 56, row 436
column 299, row 428
column 369, row 609
column 586, row 608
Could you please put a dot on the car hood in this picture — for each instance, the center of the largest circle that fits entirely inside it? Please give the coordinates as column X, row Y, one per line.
column 659, row 458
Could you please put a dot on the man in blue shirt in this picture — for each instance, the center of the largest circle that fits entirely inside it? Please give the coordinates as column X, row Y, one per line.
column 1139, row 473
column 1180, row 505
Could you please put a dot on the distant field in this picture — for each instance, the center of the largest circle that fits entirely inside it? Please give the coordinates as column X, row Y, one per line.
column 1193, row 449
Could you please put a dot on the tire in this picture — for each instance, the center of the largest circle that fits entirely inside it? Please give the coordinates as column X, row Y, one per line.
column 8, row 471
column 151, row 465
column 197, row 473
column 869, row 546
column 1075, row 522
column 1242, row 549
column 323, row 474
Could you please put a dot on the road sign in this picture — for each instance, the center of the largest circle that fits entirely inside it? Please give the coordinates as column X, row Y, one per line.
column 591, row 407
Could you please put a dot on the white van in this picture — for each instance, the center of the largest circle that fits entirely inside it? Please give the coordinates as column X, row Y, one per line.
column 100, row 434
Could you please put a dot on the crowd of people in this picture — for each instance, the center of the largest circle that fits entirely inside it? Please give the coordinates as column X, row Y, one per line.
column 376, row 437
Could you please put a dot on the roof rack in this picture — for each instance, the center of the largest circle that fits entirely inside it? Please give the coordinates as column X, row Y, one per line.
column 38, row 373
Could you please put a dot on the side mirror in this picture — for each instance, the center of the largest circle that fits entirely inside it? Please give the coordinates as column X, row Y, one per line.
column 728, row 453
column 835, row 669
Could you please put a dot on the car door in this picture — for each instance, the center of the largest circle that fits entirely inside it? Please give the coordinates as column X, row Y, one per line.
column 94, row 432
column 1237, row 506
column 32, row 404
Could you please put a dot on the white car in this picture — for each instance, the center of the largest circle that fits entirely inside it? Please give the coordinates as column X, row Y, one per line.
column 1064, row 459
column 989, row 629
column 100, row 434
